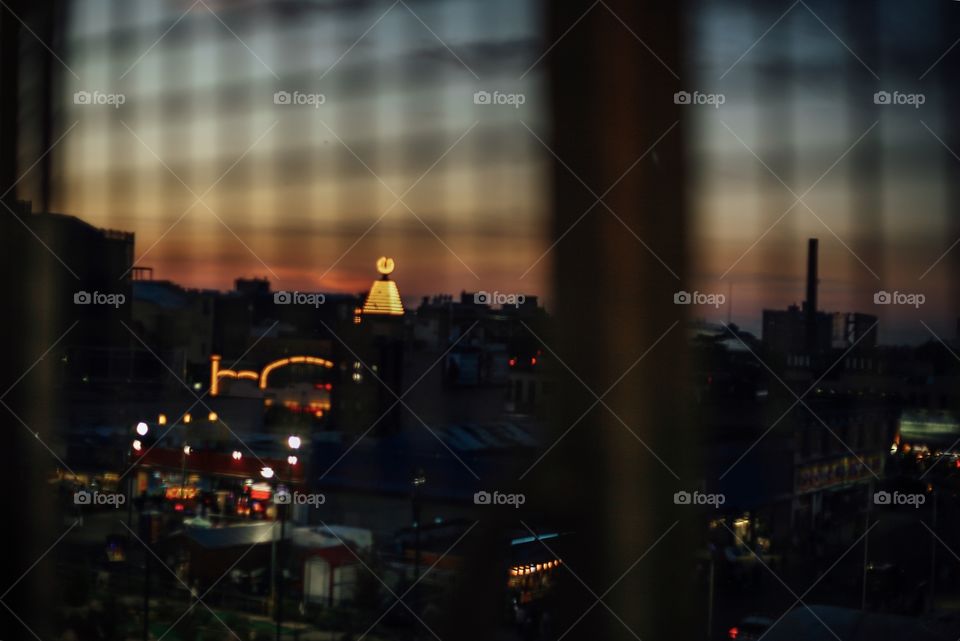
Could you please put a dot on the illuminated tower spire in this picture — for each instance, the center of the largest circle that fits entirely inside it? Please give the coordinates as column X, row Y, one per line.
column 384, row 297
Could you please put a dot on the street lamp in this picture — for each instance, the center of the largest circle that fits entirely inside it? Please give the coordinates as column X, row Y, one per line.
column 293, row 442
column 266, row 472
column 183, row 471
column 237, row 455
column 141, row 429
column 419, row 480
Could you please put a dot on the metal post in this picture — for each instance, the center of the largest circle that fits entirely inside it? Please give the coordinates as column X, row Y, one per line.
column 145, row 523
column 710, row 589
column 416, row 539
column 866, row 541
column 933, row 550
column 273, row 568
column 418, row 480
column 129, row 545
column 183, row 473
column 279, row 572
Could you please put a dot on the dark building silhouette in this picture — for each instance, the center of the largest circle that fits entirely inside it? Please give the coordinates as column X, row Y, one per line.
column 805, row 336
column 371, row 369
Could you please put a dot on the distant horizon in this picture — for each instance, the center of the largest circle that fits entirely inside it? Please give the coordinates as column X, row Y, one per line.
column 227, row 181
column 836, row 297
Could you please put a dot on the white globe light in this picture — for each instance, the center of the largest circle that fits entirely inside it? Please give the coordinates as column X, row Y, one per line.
column 137, row 445
column 237, row 455
column 267, row 472
column 294, row 442
column 292, row 460
column 186, row 449
column 142, row 428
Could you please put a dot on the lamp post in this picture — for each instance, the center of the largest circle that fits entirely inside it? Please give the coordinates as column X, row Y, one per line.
column 142, row 429
column 133, row 454
column 183, row 472
column 136, row 447
column 293, row 442
column 933, row 549
column 419, row 480
column 282, row 515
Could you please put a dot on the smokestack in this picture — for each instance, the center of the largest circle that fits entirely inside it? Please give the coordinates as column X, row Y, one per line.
column 811, row 303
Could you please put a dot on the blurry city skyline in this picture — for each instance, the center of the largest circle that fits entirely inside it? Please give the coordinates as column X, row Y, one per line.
column 460, row 318
column 307, row 195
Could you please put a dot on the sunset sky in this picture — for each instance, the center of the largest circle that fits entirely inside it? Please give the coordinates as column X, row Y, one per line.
column 306, row 196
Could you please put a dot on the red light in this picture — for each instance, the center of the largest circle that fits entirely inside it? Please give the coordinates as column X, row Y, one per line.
column 513, row 362
column 328, row 387
column 533, row 361
column 178, row 507
column 957, row 463
column 733, row 633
